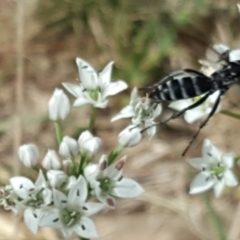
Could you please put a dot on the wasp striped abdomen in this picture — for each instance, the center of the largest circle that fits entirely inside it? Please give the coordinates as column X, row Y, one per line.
column 182, row 87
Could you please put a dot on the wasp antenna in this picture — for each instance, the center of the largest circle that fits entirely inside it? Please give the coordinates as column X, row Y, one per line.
column 190, row 143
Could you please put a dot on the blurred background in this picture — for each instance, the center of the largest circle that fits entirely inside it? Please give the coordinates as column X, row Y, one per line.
column 146, row 39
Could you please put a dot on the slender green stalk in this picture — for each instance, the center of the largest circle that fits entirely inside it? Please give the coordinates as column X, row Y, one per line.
column 74, row 166
column 113, row 155
column 83, row 238
column 58, row 131
column 230, row 114
column 92, row 119
column 81, row 165
column 215, row 218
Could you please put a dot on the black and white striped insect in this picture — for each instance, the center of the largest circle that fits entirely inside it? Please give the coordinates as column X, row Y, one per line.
column 189, row 83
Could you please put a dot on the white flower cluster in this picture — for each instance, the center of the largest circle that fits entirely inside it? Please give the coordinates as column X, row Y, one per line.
column 142, row 114
column 70, row 188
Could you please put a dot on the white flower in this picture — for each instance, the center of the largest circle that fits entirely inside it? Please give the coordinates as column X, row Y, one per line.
column 89, row 144
column 28, row 155
column 196, row 113
column 95, row 86
column 34, row 198
column 140, row 111
column 68, row 147
column 56, row 178
column 130, row 136
column 107, row 182
column 51, row 160
column 58, row 105
column 71, row 213
column 215, row 170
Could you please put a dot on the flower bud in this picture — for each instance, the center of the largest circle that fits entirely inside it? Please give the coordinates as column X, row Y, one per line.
column 28, row 155
column 51, row 160
column 68, row 147
column 86, row 135
column 58, row 105
column 56, row 178
column 130, row 136
column 89, row 144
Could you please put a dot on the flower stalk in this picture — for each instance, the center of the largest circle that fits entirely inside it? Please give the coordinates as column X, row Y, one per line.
column 58, row 131
column 114, row 154
column 92, row 119
column 215, row 218
column 230, row 114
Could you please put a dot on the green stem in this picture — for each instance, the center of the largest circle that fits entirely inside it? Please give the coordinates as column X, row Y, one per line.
column 215, row 218
column 92, row 119
column 81, row 165
column 74, row 166
column 230, row 114
column 58, row 131
column 115, row 152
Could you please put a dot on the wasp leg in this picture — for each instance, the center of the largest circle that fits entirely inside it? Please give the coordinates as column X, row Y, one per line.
column 213, row 110
column 196, row 104
column 199, row 102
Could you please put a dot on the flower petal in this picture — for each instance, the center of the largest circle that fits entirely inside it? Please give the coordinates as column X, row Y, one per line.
column 180, row 104
column 198, row 163
column 228, row 160
column 21, row 186
column 105, row 75
column 78, row 194
column 201, row 183
column 127, row 188
column 59, row 199
column 51, row 219
column 41, row 181
column 114, row 88
column 86, row 228
column 210, row 152
column 102, row 104
column 67, row 231
column 31, row 218
column 229, row 178
column 114, row 171
column 126, row 112
column 87, row 74
column 193, row 115
column 80, row 101
column 75, row 90
column 91, row 208
column 218, row 188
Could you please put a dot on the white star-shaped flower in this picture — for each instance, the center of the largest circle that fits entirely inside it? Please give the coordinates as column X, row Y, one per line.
column 215, row 170
column 95, row 87
column 196, row 113
column 107, row 182
column 140, row 111
column 71, row 213
column 33, row 198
